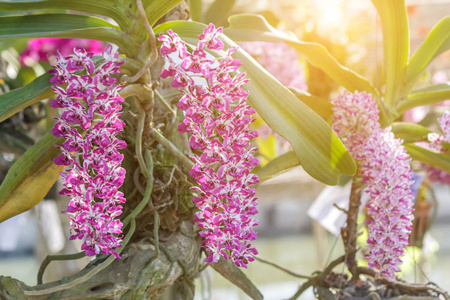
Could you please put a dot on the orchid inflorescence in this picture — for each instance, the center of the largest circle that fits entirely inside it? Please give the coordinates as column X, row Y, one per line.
column 90, row 109
column 386, row 171
column 437, row 143
column 217, row 118
column 280, row 60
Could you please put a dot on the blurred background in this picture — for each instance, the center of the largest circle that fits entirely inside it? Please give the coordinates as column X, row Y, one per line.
column 299, row 228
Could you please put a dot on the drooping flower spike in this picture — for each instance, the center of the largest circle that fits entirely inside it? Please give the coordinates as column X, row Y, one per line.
column 90, row 110
column 386, row 171
column 217, row 119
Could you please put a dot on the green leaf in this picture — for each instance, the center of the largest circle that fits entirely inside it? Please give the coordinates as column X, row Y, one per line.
column 430, row 95
column 14, row 142
column 195, row 9
column 112, row 9
column 218, row 12
column 277, row 166
column 255, row 28
column 410, row 132
column 16, row 100
column 30, row 178
column 437, row 42
column 232, row 273
column 394, row 20
column 156, row 9
column 321, row 106
column 428, row 157
column 31, row 25
column 37, row 90
column 64, row 26
column 317, row 147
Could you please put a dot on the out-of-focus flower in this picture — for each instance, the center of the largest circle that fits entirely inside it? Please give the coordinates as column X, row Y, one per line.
column 439, row 77
column 438, row 143
column 90, row 109
column 44, row 49
column 280, row 60
column 217, row 119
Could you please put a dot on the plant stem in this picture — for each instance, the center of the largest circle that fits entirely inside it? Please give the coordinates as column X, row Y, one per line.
column 51, row 258
column 349, row 233
column 172, row 149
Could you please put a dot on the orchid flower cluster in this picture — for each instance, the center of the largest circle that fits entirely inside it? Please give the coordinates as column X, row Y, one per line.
column 437, row 142
column 90, row 109
column 386, row 171
column 217, row 118
column 280, row 60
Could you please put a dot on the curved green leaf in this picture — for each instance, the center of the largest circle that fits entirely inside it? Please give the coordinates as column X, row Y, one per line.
column 428, row 157
column 156, row 9
column 321, row 106
column 14, row 142
column 277, row 166
column 317, row 147
column 112, row 9
column 430, row 95
column 37, row 90
column 255, row 28
column 30, row 178
column 437, row 42
column 195, row 8
column 394, row 20
column 218, row 12
column 410, row 132
column 16, row 100
column 30, row 25
column 64, row 26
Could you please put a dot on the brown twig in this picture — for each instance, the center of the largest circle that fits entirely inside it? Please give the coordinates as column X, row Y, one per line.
column 319, row 278
column 349, row 233
column 281, row 268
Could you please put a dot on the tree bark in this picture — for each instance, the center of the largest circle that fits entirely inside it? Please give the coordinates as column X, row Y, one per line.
column 138, row 275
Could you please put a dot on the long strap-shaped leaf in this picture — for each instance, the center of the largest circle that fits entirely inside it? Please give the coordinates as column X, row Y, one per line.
column 64, row 26
column 394, row 20
column 218, row 12
column 429, row 95
column 156, row 9
column 321, row 106
column 30, row 178
column 317, row 147
column 277, row 166
column 113, row 9
column 195, row 8
column 16, row 100
column 256, row 28
column 437, row 42
column 440, row 161
column 410, row 132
